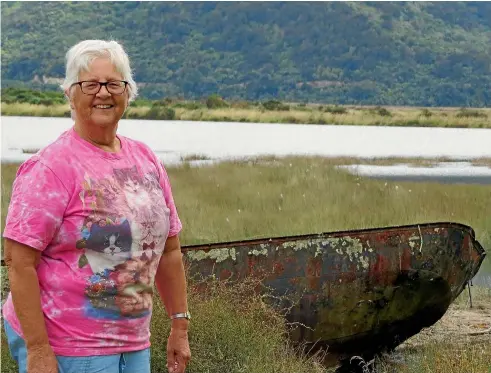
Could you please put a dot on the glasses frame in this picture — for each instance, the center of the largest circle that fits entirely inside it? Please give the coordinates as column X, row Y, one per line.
column 100, row 86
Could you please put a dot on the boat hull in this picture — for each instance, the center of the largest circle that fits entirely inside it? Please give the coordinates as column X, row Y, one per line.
column 358, row 291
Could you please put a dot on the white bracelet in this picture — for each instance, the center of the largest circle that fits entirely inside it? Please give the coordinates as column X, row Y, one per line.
column 182, row 315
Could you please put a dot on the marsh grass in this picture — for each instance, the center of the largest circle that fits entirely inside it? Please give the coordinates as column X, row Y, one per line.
column 444, row 357
column 233, row 330
column 480, row 298
column 407, row 117
column 486, row 162
column 195, row 157
column 289, row 196
column 308, row 114
column 447, row 358
column 25, row 109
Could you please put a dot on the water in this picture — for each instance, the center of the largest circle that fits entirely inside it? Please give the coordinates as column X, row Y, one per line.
column 172, row 140
column 483, row 180
column 483, row 278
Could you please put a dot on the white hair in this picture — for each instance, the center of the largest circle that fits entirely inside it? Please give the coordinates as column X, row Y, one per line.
column 81, row 55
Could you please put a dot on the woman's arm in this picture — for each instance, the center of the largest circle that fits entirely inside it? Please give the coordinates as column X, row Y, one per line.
column 21, row 261
column 171, row 281
column 171, row 285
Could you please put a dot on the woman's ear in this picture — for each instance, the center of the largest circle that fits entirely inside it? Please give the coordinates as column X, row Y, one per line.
column 67, row 95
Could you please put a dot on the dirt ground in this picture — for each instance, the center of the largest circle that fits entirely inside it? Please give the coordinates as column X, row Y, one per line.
column 460, row 324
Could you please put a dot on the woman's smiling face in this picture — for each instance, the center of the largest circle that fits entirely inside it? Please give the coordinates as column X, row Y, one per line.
column 102, row 109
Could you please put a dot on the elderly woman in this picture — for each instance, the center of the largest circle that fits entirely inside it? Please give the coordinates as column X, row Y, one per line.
column 91, row 226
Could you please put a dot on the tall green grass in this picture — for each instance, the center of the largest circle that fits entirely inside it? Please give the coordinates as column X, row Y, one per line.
column 262, row 198
column 232, row 329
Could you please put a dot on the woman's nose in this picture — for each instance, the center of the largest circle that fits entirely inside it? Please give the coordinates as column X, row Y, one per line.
column 103, row 92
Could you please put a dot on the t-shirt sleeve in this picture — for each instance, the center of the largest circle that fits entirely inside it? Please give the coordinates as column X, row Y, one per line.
column 37, row 205
column 175, row 222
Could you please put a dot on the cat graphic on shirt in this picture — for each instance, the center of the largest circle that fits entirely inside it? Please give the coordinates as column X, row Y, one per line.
column 107, row 245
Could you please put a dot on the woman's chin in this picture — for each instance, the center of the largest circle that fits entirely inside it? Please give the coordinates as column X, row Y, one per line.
column 105, row 120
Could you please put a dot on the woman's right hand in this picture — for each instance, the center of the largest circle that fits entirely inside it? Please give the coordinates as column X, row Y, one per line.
column 22, row 262
column 41, row 359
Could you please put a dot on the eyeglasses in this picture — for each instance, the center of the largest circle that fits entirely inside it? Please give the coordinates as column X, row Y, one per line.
column 114, row 87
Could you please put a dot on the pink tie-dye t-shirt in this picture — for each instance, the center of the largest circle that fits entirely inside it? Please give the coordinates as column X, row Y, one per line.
column 101, row 220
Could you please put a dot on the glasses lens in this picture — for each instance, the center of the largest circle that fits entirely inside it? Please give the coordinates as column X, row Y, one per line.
column 90, row 87
column 116, row 87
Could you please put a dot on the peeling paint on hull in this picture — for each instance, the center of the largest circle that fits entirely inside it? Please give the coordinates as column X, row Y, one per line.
column 359, row 290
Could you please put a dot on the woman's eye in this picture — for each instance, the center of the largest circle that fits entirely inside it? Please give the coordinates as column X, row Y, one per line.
column 91, row 85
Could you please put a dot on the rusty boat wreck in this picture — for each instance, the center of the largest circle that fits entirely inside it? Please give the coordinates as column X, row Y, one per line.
column 357, row 292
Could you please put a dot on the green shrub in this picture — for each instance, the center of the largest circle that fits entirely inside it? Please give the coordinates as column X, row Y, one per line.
column 426, row 113
column 275, row 105
column 335, row 110
column 159, row 104
column 161, row 113
column 383, row 112
column 215, row 102
column 35, row 97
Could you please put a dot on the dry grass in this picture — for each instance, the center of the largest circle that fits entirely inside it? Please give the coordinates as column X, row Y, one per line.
column 410, row 161
column 353, row 116
column 398, row 117
column 233, row 331
column 310, row 114
column 24, row 109
column 443, row 357
column 486, row 162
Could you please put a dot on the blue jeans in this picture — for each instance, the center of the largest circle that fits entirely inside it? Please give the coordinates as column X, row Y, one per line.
column 128, row 362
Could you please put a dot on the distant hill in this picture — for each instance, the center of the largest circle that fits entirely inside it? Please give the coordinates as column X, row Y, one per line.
column 380, row 53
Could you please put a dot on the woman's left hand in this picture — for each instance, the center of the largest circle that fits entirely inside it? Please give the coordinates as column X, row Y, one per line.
column 178, row 351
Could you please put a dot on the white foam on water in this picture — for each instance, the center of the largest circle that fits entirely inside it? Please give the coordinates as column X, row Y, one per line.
column 450, row 169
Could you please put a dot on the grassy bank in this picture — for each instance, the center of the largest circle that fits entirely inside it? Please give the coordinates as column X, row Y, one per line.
column 289, row 196
column 276, row 112
column 232, row 330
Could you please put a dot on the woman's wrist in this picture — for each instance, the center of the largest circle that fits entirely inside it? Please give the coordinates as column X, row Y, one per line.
column 180, row 324
column 181, row 315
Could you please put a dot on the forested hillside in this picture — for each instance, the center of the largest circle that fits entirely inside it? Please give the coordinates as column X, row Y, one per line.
column 380, row 53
